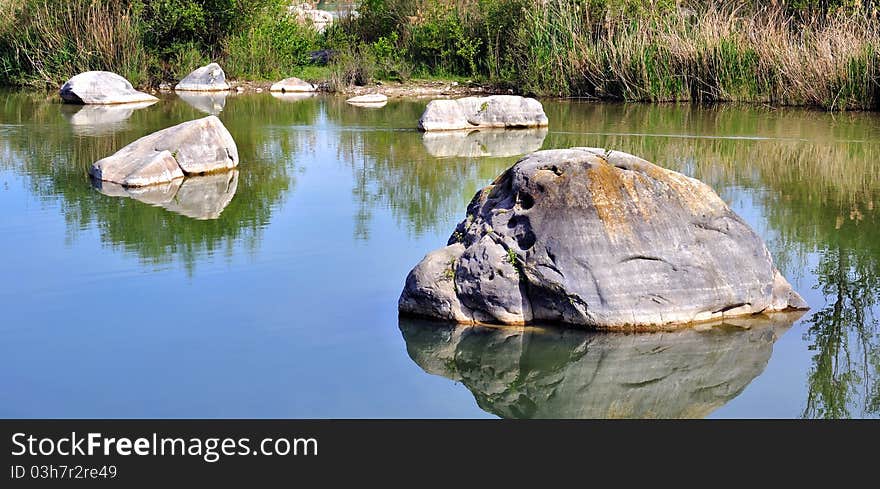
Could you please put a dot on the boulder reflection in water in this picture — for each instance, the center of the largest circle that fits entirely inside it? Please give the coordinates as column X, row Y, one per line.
column 497, row 143
column 97, row 120
column 199, row 197
column 208, row 102
column 537, row 372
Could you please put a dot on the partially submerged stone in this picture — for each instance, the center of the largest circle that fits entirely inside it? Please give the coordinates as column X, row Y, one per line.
column 208, row 78
column 292, row 85
column 198, row 197
column 193, row 147
column 101, row 87
column 496, row 111
column 600, row 239
column 369, row 100
column 484, row 143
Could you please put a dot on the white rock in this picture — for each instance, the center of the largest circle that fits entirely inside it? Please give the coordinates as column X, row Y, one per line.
column 205, row 79
column 292, row 85
column 101, row 87
column 369, row 100
column 496, row 111
column 193, row 147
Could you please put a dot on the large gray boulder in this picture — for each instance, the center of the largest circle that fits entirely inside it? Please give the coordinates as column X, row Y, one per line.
column 191, row 148
column 600, row 239
column 568, row 373
column 101, row 87
column 495, row 143
column 210, row 78
column 496, row 111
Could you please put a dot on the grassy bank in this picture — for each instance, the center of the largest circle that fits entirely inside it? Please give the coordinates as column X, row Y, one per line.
column 820, row 53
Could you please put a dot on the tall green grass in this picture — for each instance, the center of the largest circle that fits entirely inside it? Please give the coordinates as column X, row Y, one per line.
column 45, row 42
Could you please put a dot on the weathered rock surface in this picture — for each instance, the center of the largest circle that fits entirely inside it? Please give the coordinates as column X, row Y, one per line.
column 307, row 14
column 601, row 239
column 292, row 85
column 484, row 142
column 567, row 373
column 498, row 111
column 101, row 87
column 199, row 197
column 208, row 102
column 369, row 100
column 208, row 78
column 193, row 147
column 95, row 120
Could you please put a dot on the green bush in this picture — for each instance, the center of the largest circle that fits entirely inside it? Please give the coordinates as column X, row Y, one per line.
column 273, row 46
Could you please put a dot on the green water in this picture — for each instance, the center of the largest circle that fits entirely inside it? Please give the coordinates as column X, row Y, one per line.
column 272, row 292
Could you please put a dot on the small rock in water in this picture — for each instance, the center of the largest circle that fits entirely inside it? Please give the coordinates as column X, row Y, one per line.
column 101, row 87
column 496, row 111
column 205, row 79
column 601, row 239
column 292, row 85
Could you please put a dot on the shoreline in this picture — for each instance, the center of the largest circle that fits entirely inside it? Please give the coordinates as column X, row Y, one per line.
column 410, row 89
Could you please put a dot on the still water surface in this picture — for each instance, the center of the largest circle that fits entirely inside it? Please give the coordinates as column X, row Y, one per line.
column 272, row 292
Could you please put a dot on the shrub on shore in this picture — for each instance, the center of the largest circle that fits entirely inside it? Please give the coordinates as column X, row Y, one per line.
column 801, row 52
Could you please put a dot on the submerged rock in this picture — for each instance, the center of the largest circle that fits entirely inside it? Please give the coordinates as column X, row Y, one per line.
column 567, row 373
column 199, row 197
column 369, row 100
column 208, row 102
column 95, row 120
column 484, row 142
column 600, row 239
column 205, row 79
column 193, row 147
column 498, row 111
column 101, row 87
column 292, row 85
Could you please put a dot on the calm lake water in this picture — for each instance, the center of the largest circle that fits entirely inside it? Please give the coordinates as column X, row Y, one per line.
column 272, row 292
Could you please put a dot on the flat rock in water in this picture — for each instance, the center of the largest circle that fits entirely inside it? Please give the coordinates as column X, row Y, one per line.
column 194, row 147
column 292, row 85
column 496, row 111
column 208, row 78
column 101, row 87
column 484, row 142
column 600, row 239
column 369, row 99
